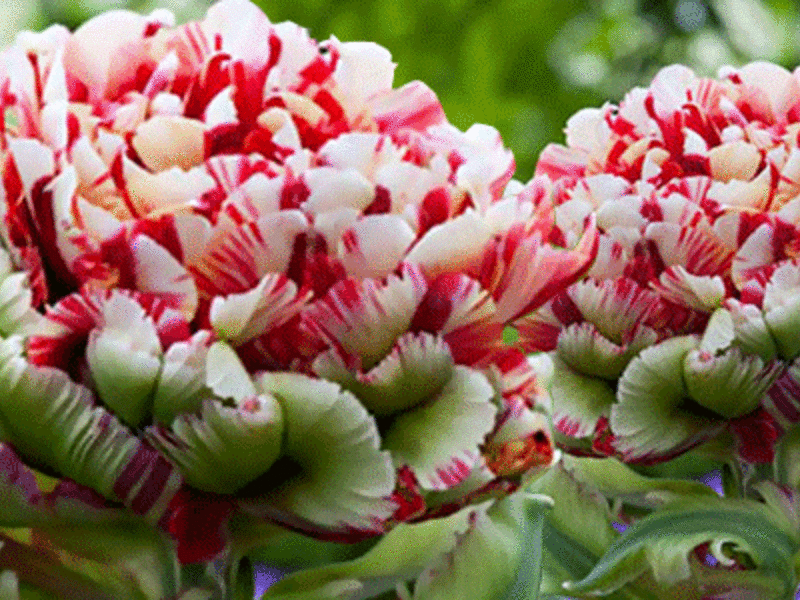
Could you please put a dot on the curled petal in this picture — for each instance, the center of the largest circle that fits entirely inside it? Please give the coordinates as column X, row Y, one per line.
column 651, row 420
column 223, row 449
column 440, row 440
column 345, row 479
column 181, row 385
column 415, row 371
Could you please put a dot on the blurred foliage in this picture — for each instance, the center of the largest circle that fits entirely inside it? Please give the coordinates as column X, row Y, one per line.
column 521, row 66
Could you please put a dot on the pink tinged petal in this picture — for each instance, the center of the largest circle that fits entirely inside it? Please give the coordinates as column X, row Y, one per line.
column 523, row 272
column 408, row 184
column 22, row 84
column 331, row 189
column 703, row 293
column 697, row 250
column 164, row 142
column 157, row 272
column 34, row 161
column 578, row 401
column 220, row 111
column 584, row 349
column 412, row 106
column 97, row 50
column 360, row 151
column 181, row 385
column 375, row 245
column 730, row 384
column 756, row 436
column 754, row 194
column 414, row 372
column 441, row 440
column 239, row 318
column 452, row 246
column 223, row 449
column 124, row 356
column 365, row 318
column 364, row 69
column 488, row 166
column 647, row 421
column 736, row 160
column 345, row 480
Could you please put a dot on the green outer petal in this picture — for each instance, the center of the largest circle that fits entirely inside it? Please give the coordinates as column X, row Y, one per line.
column 416, row 369
column 124, row 356
column 51, row 420
column 449, row 428
column 731, row 384
column 787, row 458
column 662, row 542
column 401, row 555
column 647, row 419
column 752, row 334
column 181, row 387
column 578, row 400
column 585, row 349
column 346, row 479
column 224, row 448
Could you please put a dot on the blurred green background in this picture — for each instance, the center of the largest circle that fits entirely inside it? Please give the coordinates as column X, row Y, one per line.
column 523, row 66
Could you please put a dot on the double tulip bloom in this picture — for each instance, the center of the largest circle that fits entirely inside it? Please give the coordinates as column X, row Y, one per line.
column 686, row 328
column 243, row 275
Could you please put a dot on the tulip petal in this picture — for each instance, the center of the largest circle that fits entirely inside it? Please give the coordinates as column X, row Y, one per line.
column 416, row 370
column 181, row 385
column 124, row 355
column 441, row 440
column 346, row 479
column 239, row 318
column 647, row 419
column 223, row 449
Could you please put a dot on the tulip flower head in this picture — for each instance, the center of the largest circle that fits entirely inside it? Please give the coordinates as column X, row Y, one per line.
column 685, row 329
column 244, row 276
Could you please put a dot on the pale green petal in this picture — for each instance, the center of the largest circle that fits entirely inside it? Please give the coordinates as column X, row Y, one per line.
column 585, row 349
column 226, row 375
column 647, row 420
column 224, row 448
column 730, row 384
column 578, row 400
column 417, row 369
column 782, row 309
column 181, row 387
column 124, row 356
column 441, row 440
column 16, row 314
column 345, row 477
column 752, row 334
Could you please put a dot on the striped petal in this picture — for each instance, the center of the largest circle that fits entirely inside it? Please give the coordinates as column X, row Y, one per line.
column 223, row 449
column 124, row 355
column 239, row 318
column 415, row 371
column 441, row 440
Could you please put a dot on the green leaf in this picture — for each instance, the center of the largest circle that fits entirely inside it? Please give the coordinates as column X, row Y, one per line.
column 662, row 542
column 127, row 556
column 400, row 556
column 499, row 557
